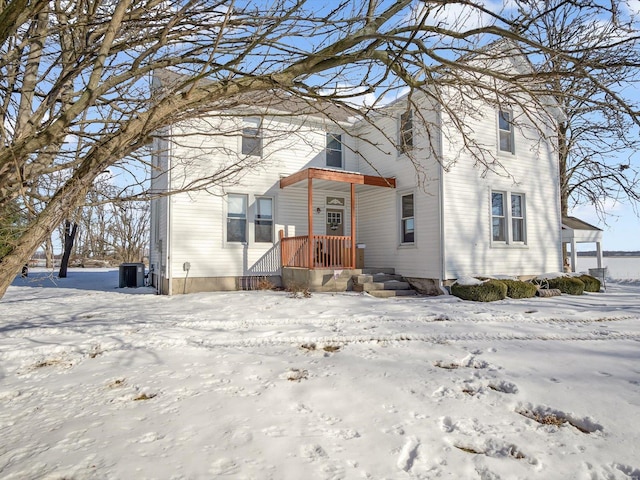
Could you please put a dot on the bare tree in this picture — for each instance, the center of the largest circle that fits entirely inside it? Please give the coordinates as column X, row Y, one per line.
column 75, row 96
column 598, row 134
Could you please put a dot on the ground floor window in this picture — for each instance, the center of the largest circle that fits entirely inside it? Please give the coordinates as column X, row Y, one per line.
column 236, row 218
column 508, row 217
column 407, row 227
column 263, row 222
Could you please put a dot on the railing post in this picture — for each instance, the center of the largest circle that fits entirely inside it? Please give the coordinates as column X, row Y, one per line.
column 282, row 247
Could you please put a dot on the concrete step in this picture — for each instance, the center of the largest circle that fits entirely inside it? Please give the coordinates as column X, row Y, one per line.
column 374, row 270
column 378, row 277
column 389, row 285
column 392, row 293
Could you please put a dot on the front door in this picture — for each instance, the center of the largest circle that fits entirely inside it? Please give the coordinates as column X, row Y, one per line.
column 335, row 225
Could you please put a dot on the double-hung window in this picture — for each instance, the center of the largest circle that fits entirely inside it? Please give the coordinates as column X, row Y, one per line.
column 407, row 226
column 334, row 150
column 263, row 221
column 505, row 131
column 252, row 137
column 517, row 218
column 236, row 218
column 405, row 133
column 498, row 220
column 508, row 218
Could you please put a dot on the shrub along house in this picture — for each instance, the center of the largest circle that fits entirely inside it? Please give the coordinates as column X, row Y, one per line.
column 321, row 195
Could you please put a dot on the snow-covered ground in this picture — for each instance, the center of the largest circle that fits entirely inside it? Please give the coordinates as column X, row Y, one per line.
column 98, row 382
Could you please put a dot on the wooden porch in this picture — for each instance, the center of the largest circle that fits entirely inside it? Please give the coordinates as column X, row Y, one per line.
column 317, row 251
column 325, row 251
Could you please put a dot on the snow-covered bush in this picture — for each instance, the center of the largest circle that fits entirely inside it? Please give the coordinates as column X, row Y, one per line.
column 591, row 284
column 519, row 289
column 488, row 291
column 570, row 285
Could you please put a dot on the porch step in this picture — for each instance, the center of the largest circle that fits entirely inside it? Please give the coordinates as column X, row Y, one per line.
column 382, row 283
column 378, row 277
column 392, row 293
column 388, row 285
column 375, row 270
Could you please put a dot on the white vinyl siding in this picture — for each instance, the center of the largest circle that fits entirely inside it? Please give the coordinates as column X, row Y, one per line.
column 532, row 242
column 199, row 219
column 379, row 220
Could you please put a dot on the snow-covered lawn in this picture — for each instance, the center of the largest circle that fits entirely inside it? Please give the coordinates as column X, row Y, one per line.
column 104, row 383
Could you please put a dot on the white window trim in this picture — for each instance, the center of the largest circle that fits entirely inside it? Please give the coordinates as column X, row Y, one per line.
column 250, row 221
column 511, row 132
column 227, row 242
column 400, row 223
column 508, row 216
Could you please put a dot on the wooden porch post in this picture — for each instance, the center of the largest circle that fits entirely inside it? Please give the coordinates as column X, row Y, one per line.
column 310, row 220
column 353, row 225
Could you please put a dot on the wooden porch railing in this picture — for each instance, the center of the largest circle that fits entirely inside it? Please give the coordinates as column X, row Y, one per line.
column 328, row 252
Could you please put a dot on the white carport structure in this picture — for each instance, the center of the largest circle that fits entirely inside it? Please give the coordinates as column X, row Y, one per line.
column 576, row 231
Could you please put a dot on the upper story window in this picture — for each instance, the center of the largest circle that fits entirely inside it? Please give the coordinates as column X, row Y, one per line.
column 334, row 150
column 505, row 131
column 252, row 137
column 405, row 135
column 236, row 218
column 508, row 224
column 407, row 226
column 263, row 222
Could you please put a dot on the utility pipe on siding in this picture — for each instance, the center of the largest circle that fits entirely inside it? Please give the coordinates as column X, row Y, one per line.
column 169, row 229
column 443, row 262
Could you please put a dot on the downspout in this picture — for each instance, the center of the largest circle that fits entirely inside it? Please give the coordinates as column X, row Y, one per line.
column 169, row 229
column 440, row 159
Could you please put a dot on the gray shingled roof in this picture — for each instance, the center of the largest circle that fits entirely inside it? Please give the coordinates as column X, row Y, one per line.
column 577, row 224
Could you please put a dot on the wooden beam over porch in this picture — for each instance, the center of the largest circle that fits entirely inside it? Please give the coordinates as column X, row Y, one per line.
column 353, row 178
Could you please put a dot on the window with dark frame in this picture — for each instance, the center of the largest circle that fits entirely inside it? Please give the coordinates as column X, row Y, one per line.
column 334, row 150
column 407, row 221
column 263, row 223
column 236, row 218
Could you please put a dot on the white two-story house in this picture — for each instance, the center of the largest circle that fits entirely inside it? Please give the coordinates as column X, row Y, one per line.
column 284, row 190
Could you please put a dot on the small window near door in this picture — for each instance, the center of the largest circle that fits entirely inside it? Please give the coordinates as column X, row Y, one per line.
column 334, row 219
column 334, row 150
column 407, row 226
column 264, row 220
column 236, row 218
